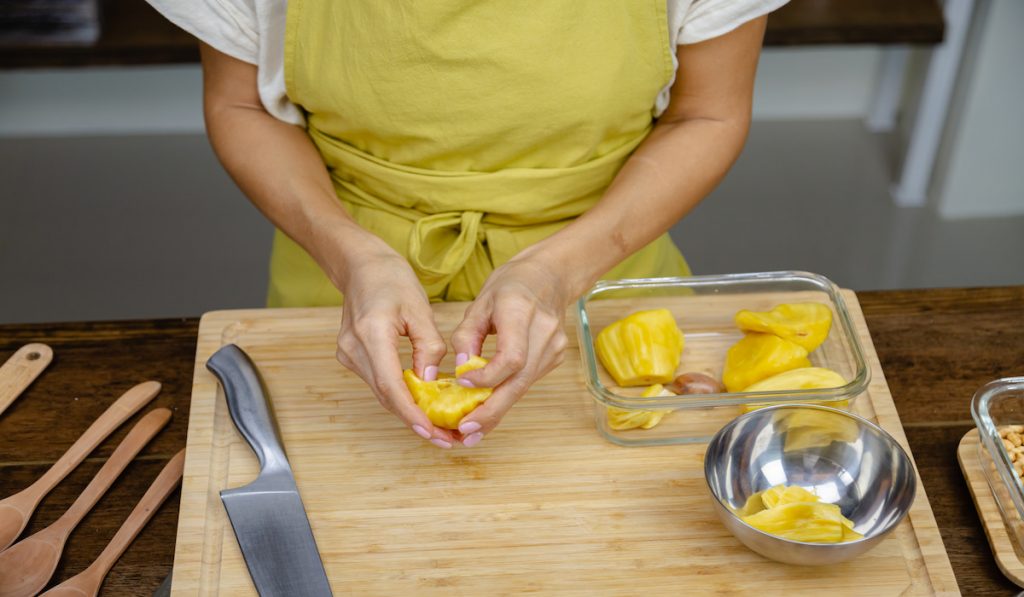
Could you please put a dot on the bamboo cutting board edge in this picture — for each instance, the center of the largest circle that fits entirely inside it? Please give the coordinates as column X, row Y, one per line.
column 922, row 518
column 195, row 569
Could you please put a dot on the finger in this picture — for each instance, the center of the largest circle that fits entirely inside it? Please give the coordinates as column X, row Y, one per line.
column 486, row 417
column 428, row 347
column 468, row 338
column 391, row 389
column 358, row 361
column 512, row 326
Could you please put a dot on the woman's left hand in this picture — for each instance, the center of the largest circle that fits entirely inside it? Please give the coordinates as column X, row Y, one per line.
column 523, row 303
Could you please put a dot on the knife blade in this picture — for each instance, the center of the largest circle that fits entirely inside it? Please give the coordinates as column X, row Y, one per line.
column 267, row 515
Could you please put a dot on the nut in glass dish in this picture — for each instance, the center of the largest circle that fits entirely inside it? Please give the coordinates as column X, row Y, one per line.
column 841, row 458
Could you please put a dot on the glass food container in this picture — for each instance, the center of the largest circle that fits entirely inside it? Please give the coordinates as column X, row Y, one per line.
column 999, row 404
column 704, row 308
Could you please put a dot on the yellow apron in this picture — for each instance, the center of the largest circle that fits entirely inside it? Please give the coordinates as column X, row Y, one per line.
column 462, row 131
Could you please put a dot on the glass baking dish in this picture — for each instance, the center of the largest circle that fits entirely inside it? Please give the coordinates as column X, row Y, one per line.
column 704, row 307
column 997, row 404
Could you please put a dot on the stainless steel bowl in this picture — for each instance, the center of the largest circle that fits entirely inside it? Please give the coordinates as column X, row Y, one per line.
column 841, row 457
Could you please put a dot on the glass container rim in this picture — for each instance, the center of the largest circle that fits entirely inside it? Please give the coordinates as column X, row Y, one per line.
column 602, row 394
column 989, row 433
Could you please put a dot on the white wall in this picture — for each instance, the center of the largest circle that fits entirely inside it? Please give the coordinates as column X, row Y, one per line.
column 791, row 83
column 982, row 173
column 815, row 83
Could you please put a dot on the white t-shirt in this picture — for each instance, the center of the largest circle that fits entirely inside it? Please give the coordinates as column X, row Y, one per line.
column 253, row 31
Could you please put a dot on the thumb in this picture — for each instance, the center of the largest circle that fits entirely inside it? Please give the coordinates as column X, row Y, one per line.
column 468, row 337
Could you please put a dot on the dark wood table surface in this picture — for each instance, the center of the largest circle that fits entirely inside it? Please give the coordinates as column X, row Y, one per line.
column 937, row 347
column 132, row 32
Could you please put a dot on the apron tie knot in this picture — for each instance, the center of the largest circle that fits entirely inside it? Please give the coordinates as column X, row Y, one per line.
column 441, row 244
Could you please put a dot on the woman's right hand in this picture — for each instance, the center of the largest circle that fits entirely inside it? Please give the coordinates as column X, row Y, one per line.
column 286, row 178
column 384, row 300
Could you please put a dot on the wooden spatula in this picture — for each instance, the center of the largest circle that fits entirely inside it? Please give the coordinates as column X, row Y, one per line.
column 21, row 370
column 27, row 566
column 16, row 510
column 87, row 583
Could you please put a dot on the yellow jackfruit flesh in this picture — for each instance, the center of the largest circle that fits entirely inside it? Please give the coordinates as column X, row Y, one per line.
column 760, row 356
column 621, row 419
column 444, row 401
column 805, row 378
column 641, row 349
column 806, row 324
column 796, row 514
column 781, row 494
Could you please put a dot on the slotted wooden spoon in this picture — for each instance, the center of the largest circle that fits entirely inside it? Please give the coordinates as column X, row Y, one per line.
column 88, row 582
column 27, row 566
column 16, row 510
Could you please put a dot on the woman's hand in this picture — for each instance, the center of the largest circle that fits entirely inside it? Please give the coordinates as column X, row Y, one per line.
column 689, row 151
column 384, row 301
column 287, row 180
column 523, row 303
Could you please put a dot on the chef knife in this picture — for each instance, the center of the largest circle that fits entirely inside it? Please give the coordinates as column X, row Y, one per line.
column 267, row 515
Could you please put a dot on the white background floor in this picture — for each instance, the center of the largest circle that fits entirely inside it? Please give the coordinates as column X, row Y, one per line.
column 149, row 226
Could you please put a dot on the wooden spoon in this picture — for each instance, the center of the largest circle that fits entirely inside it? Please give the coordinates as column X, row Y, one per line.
column 87, row 583
column 21, row 370
column 27, row 566
column 17, row 509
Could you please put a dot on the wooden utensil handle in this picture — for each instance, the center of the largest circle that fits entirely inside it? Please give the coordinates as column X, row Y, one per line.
column 162, row 487
column 120, row 411
column 129, row 447
column 21, row 370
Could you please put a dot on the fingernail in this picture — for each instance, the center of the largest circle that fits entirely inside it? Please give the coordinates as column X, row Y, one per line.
column 460, row 359
column 469, row 427
column 440, row 443
column 430, row 373
column 473, row 439
column 464, row 382
column 421, row 432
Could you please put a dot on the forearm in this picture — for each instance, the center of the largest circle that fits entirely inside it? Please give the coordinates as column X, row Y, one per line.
column 279, row 170
column 691, row 148
column 673, row 169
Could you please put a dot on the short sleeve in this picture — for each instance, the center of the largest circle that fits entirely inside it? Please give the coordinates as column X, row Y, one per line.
column 706, row 19
column 230, row 26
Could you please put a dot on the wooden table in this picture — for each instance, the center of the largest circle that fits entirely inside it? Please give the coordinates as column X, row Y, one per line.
column 936, row 347
column 134, row 33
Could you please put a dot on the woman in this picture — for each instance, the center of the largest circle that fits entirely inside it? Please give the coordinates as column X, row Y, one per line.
column 507, row 153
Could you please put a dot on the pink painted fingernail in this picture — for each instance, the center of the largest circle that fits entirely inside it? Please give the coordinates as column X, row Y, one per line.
column 469, row 427
column 421, row 432
column 460, row 359
column 430, row 373
column 440, row 443
column 464, row 382
column 473, row 439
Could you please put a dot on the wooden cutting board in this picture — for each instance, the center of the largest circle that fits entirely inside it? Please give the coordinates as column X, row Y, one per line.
column 542, row 505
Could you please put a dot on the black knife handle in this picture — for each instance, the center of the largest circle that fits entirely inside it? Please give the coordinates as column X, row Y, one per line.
column 249, row 406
